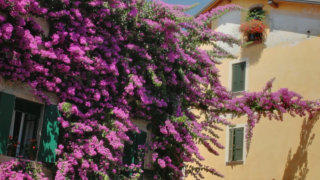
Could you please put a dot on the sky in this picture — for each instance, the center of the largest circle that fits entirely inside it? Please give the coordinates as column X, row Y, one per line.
column 193, row 11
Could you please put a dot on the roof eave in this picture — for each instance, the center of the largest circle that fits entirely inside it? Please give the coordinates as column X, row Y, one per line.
column 213, row 2
column 206, row 7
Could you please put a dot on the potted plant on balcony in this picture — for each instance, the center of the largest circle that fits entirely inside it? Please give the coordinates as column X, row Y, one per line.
column 31, row 149
column 254, row 27
column 253, row 30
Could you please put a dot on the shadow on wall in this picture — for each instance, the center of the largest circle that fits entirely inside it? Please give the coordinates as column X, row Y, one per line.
column 253, row 52
column 297, row 164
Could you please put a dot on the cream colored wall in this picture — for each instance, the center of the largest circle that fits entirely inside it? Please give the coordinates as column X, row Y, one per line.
column 274, row 143
column 278, row 150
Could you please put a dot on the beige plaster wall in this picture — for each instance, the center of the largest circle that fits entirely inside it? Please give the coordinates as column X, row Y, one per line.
column 279, row 150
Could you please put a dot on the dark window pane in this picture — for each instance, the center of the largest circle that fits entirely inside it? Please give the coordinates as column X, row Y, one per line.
column 24, row 131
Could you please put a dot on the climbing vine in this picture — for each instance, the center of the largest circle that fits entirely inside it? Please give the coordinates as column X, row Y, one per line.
column 111, row 62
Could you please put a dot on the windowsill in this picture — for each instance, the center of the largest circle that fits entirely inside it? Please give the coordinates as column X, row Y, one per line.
column 4, row 158
column 237, row 93
column 230, row 163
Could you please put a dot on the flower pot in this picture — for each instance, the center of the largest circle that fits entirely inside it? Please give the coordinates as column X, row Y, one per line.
column 257, row 37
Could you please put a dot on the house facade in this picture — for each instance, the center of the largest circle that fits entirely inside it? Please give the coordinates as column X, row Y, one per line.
column 29, row 129
column 288, row 51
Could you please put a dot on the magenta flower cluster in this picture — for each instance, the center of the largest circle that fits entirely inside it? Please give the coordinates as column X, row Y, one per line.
column 21, row 170
column 112, row 62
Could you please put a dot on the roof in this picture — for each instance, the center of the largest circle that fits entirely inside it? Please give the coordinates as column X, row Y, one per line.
column 212, row 3
column 208, row 6
column 304, row 1
column 202, row 4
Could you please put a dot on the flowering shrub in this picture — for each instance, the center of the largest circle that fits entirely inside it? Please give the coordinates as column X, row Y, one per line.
column 113, row 61
column 16, row 169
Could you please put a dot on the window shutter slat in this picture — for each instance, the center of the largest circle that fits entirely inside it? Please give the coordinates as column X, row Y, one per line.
column 231, row 136
column 7, row 102
column 242, row 76
column 49, row 134
column 238, row 149
column 235, row 76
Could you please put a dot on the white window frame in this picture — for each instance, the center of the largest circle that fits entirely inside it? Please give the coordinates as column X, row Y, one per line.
column 244, row 152
column 246, row 83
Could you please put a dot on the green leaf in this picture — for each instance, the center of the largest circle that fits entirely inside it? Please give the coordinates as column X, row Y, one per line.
column 66, row 107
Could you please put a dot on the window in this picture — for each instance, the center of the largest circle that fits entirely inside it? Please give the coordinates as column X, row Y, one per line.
column 134, row 153
column 238, row 77
column 236, row 144
column 23, row 129
column 257, row 13
column 254, row 26
column 28, row 130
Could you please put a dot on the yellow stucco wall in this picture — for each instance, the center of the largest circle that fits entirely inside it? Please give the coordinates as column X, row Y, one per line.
column 279, row 150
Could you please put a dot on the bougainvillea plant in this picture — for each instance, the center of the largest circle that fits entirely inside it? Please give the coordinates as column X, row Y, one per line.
column 110, row 62
column 21, row 170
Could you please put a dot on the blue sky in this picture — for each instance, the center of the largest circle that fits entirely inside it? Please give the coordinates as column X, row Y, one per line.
column 193, row 11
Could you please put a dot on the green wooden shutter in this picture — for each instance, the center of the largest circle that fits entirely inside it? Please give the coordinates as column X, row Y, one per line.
column 238, row 76
column 238, row 144
column 6, row 110
column 49, row 134
column 231, row 138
